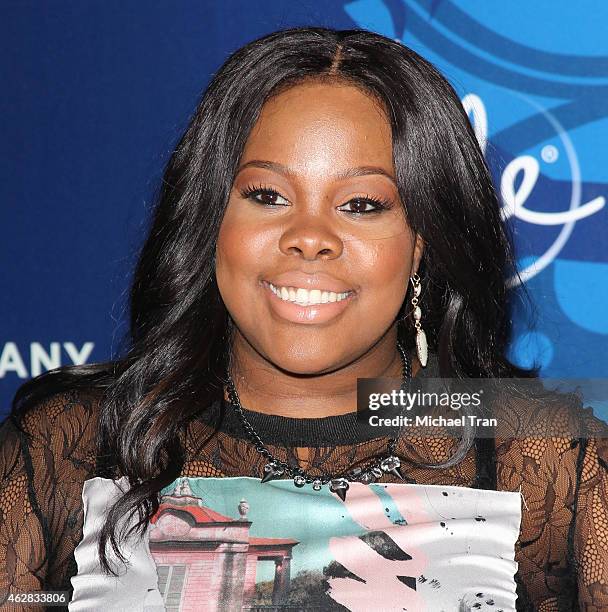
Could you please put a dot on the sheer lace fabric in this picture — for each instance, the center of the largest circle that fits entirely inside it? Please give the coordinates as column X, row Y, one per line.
column 562, row 550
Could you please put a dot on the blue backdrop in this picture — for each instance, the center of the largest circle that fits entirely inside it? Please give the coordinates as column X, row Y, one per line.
column 97, row 93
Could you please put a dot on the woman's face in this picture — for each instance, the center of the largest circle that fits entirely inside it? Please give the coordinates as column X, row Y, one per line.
column 314, row 215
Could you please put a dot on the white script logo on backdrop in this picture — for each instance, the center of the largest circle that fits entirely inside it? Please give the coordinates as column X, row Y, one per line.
column 514, row 200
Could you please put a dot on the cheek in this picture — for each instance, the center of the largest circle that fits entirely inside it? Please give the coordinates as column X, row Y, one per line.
column 240, row 254
column 385, row 266
column 229, row 257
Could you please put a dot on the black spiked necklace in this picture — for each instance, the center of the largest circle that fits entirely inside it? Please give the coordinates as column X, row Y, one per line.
column 338, row 483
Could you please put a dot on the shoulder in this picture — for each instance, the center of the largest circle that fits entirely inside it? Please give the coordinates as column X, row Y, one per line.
column 54, row 429
column 546, row 434
column 73, row 408
column 527, row 411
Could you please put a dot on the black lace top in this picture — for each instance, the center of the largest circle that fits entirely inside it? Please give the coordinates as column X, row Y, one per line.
column 562, row 550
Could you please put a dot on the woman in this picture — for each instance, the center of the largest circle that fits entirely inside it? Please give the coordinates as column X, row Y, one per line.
column 327, row 210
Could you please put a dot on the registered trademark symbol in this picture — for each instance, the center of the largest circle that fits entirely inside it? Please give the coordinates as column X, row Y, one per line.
column 549, row 153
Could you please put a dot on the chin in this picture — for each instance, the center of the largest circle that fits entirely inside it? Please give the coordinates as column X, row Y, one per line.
column 313, row 361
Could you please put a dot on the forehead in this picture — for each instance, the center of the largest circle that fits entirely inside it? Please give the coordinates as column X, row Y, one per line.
column 331, row 123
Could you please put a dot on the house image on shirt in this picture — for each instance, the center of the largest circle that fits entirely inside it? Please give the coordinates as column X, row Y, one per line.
column 207, row 561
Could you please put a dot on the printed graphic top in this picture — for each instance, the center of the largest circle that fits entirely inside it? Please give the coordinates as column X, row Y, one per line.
column 440, row 540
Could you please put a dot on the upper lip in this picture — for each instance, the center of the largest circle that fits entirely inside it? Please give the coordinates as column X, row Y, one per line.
column 321, row 281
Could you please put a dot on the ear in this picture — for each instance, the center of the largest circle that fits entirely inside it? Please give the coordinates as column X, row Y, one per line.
column 418, row 251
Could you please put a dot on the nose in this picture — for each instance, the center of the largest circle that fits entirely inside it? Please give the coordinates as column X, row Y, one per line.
column 311, row 240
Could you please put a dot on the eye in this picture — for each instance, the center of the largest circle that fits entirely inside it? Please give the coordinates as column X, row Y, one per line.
column 366, row 205
column 264, row 195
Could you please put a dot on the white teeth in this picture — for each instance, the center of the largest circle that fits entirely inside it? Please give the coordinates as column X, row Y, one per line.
column 315, row 296
column 304, row 297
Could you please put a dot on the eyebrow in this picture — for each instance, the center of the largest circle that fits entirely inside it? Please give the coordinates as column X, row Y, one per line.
column 344, row 174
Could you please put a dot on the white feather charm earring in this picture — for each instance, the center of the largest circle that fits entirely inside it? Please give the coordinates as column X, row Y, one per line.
column 421, row 343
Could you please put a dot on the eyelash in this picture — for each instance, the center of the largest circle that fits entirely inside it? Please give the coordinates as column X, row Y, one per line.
column 253, row 190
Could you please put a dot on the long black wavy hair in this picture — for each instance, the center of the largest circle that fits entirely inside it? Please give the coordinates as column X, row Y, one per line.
column 180, row 333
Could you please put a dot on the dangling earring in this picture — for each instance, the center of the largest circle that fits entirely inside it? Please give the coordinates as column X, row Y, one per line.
column 421, row 344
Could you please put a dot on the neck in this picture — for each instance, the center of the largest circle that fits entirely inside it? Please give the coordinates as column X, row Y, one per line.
column 264, row 387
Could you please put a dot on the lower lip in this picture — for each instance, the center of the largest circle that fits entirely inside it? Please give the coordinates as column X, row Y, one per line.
column 317, row 313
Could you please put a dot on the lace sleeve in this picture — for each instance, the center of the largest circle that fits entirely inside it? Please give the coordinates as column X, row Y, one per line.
column 555, row 454
column 45, row 457
column 23, row 558
column 591, row 526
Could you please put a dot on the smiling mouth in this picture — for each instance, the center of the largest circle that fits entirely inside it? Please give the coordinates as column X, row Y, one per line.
column 307, row 297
